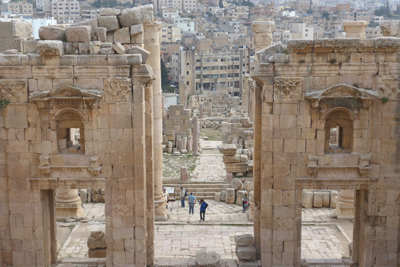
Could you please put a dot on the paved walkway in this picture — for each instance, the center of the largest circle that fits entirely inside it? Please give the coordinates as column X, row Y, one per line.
column 183, row 234
column 209, row 165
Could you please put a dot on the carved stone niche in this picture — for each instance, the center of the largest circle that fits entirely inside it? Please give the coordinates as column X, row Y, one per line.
column 67, row 96
column 332, row 166
column 342, row 95
column 62, row 164
column 287, row 89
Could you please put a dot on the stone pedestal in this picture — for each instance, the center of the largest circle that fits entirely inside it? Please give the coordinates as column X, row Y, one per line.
column 345, row 204
column 152, row 44
column 68, row 205
column 196, row 129
column 184, row 174
column 201, row 110
column 355, row 29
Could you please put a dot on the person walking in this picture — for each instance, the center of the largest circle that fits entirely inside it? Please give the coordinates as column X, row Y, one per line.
column 192, row 201
column 203, row 207
column 183, row 196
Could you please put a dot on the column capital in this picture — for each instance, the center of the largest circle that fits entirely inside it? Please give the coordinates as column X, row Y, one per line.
column 154, row 26
column 263, row 26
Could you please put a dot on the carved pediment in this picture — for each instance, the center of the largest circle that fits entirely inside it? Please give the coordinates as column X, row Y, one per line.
column 67, row 96
column 343, row 92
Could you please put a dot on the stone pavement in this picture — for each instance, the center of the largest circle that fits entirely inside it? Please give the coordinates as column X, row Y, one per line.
column 181, row 236
column 209, row 165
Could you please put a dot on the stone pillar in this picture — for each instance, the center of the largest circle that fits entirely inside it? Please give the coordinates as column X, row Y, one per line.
column 195, row 136
column 68, row 204
column 152, row 44
column 251, row 200
column 245, row 94
column 263, row 30
column 182, row 91
column 229, row 177
column 184, row 174
column 210, row 109
column 345, row 204
column 355, row 29
column 201, row 110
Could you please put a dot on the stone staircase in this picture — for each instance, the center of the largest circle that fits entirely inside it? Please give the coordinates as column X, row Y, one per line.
column 205, row 190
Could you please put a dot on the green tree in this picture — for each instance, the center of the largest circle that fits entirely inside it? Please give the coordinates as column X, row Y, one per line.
column 309, row 11
column 221, row 5
column 325, row 15
column 165, row 84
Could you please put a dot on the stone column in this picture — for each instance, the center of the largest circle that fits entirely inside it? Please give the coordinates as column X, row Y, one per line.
column 210, row 109
column 195, row 136
column 68, row 204
column 182, row 91
column 355, row 29
column 201, row 110
column 263, row 30
column 345, row 204
column 152, row 44
column 184, row 174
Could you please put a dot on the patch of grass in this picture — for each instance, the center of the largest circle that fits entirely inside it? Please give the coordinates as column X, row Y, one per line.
column 385, row 99
column 172, row 165
column 71, row 226
column 211, row 133
column 3, row 103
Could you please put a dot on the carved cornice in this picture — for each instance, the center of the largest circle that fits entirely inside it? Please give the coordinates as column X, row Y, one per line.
column 142, row 74
column 66, row 96
column 342, row 91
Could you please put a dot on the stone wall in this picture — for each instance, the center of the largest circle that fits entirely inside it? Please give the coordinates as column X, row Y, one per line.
column 354, row 83
column 109, row 98
column 222, row 102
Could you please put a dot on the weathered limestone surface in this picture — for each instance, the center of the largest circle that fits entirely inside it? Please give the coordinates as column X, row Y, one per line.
column 353, row 82
column 78, row 119
column 207, row 258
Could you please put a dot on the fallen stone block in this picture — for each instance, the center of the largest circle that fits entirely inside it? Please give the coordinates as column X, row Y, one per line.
column 237, row 184
column 52, row 33
column 101, row 34
column 122, row 36
column 50, row 47
column 230, row 196
column 217, row 196
column 207, row 258
column 223, row 196
column 119, row 48
column 79, row 34
column 109, row 11
column 109, row 22
column 228, row 149
column 136, row 15
column 97, row 239
column 138, row 50
column 317, row 200
column 246, row 253
column 248, row 185
column 307, row 199
column 97, row 253
column 244, row 240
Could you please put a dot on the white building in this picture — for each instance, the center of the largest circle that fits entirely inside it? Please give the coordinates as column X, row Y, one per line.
column 37, row 23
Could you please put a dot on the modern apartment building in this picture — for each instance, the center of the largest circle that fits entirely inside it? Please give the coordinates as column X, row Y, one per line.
column 170, row 34
column 65, row 10
column 20, row 8
column 221, row 70
column 182, row 5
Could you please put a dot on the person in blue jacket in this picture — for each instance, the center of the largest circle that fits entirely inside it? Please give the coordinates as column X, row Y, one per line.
column 203, row 207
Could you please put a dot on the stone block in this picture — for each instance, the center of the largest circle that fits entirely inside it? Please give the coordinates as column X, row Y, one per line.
column 109, row 12
column 229, row 177
column 79, row 34
column 246, row 253
column 72, row 48
column 84, row 48
column 307, row 199
column 334, row 194
column 244, row 240
column 228, row 149
column 119, row 48
column 317, row 203
column 217, row 196
column 52, row 33
column 326, row 196
column 248, row 185
column 136, row 15
column 138, row 50
column 237, row 184
column 207, row 258
column 50, row 47
column 230, row 196
column 101, row 34
column 98, row 253
column 122, row 36
column 223, row 196
column 109, row 22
